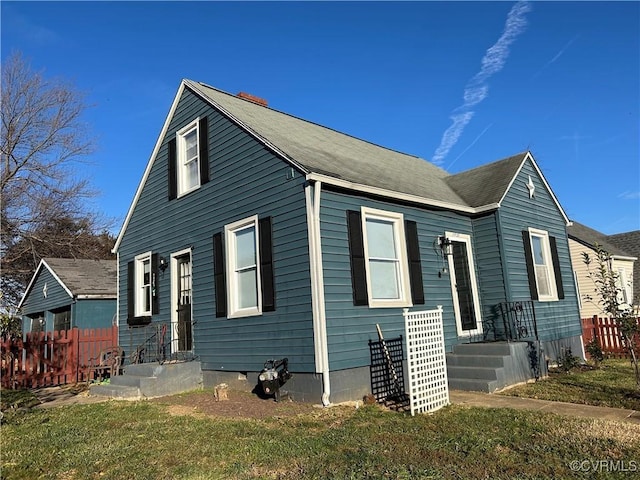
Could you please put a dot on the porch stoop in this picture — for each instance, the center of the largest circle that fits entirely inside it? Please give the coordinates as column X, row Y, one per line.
column 150, row 380
column 487, row 367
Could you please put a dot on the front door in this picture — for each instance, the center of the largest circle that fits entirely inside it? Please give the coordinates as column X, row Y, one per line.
column 184, row 331
column 463, row 286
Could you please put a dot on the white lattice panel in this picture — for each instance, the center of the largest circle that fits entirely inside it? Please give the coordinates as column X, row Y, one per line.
column 426, row 360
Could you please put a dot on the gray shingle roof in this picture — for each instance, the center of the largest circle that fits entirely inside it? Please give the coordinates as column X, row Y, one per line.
column 322, row 150
column 589, row 237
column 86, row 277
column 486, row 184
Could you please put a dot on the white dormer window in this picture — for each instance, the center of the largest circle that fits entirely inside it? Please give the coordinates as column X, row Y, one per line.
column 188, row 171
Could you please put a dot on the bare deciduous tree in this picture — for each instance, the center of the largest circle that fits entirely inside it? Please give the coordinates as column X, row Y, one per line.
column 43, row 139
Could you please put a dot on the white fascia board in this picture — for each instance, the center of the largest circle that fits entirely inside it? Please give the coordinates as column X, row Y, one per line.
column 31, row 282
column 152, row 159
column 621, row 257
column 41, row 265
column 358, row 187
column 528, row 156
column 96, row 297
column 194, row 88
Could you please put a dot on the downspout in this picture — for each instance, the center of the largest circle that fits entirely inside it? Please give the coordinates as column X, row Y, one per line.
column 312, row 197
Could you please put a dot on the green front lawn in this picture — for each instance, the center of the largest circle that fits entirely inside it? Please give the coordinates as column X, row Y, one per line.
column 142, row 440
column 612, row 385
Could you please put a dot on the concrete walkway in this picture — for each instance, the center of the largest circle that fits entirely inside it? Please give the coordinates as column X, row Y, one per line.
column 65, row 395
column 478, row 399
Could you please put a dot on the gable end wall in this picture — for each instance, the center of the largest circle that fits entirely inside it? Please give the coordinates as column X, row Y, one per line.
column 556, row 319
column 245, row 179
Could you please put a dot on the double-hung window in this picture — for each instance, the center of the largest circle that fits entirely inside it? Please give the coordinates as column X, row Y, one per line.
column 143, row 285
column 243, row 272
column 188, row 170
column 543, row 265
column 386, row 261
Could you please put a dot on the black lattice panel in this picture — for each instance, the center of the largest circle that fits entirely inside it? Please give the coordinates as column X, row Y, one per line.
column 385, row 381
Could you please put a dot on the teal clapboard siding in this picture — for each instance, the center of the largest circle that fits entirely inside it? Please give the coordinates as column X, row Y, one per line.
column 245, row 179
column 85, row 313
column 94, row 313
column 349, row 327
column 57, row 296
column 518, row 212
column 36, row 302
column 490, row 266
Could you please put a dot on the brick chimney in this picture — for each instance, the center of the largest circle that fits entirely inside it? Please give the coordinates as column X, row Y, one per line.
column 253, row 98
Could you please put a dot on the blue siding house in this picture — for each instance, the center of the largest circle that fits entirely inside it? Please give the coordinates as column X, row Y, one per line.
column 256, row 235
column 67, row 293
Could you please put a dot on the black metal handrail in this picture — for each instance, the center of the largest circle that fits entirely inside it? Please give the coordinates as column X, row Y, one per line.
column 154, row 348
column 519, row 320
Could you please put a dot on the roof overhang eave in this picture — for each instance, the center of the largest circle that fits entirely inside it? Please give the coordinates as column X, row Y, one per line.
column 103, row 296
column 406, row 197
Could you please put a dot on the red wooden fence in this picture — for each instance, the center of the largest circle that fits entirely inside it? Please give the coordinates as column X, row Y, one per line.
column 606, row 331
column 53, row 358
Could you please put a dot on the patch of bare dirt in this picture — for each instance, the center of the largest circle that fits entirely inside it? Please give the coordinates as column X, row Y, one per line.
column 237, row 405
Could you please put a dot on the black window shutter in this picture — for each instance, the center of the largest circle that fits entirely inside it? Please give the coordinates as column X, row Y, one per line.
column 173, row 169
column 556, row 267
column 266, row 265
column 356, row 252
column 531, row 272
column 415, row 265
column 155, row 303
column 131, row 311
column 219, row 275
column 204, row 150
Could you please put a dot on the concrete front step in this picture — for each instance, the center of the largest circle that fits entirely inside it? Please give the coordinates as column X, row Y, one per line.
column 458, row 360
column 471, row 385
column 116, row 391
column 491, row 349
column 487, row 367
column 476, row 373
column 152, row 380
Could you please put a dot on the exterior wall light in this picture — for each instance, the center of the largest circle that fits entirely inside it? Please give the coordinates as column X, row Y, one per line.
column 446, row 246
column 163, row 264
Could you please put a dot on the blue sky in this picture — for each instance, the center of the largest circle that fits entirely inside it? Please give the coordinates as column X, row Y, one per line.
column 458, row 83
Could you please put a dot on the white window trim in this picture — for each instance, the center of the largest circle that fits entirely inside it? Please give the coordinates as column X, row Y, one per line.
column 181, row 152
column 232, row 289
column 137, row 285
column 466, row 239
column 546, row 246
column 397, row 219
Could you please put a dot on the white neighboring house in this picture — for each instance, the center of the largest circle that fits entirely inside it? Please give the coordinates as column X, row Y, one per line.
column 583, row 239
column 630, row 243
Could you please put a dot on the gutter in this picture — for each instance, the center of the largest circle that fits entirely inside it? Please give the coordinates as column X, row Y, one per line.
column 381, row 192
column 312, row 197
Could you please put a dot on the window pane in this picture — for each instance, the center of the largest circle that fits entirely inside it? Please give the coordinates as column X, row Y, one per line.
column 247, row 289
column 191, row 144
column 542, row 276
column 245, row 248
column 380, row 239
column 146, row 291
column 538, row 253
column 192, row 175
column 146, row 272
column 384, row 279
